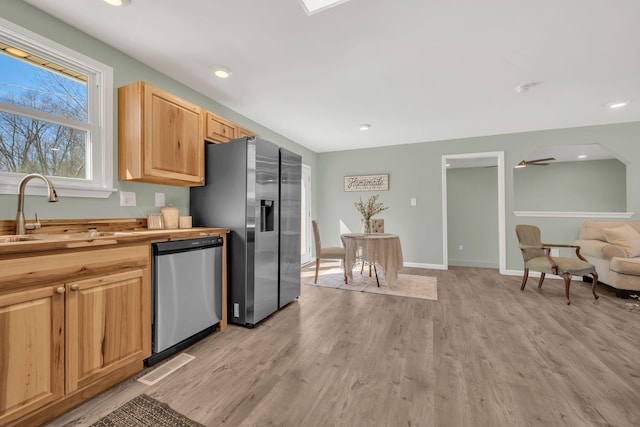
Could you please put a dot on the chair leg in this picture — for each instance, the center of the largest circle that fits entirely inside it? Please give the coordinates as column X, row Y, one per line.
column 567, row 285
column 317, row 269
column 595, row 282
column 369, row 270
column 524, row 279
column 541, row 280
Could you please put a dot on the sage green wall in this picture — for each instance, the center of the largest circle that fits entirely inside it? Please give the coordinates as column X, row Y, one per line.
column 586, row 186
column 125, row 71
column 472, row 217
column 415, row 171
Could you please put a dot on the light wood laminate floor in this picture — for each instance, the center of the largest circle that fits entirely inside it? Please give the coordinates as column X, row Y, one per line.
column 484, row 354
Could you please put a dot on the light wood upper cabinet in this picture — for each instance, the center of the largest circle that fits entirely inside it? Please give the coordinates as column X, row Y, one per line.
column 160, row 137
column 242, row 132
column 32, row 343
column 109, row 325
column 219, row 130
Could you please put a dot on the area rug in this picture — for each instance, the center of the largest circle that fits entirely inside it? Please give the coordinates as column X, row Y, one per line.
column 145, row 411
column 408, row 285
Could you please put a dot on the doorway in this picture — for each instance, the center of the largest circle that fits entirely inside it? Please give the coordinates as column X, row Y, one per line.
column 475, row 160
column 305, row 223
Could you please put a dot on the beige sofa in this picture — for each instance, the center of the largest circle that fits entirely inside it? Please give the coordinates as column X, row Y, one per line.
column 613, row 247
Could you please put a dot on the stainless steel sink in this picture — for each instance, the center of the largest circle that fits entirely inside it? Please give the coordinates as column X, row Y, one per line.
column 19, row 238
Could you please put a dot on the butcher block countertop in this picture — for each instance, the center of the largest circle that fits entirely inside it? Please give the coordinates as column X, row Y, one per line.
column 47, row 242
column 74, row 234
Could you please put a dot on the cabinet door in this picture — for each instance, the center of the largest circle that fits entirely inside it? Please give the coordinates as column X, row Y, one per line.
column 108, row 325
column 173, row 141
column 32, row 328
column 242, row 132
column 218, row 129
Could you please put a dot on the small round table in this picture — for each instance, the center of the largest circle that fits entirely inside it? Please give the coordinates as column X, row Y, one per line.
column 381, row 249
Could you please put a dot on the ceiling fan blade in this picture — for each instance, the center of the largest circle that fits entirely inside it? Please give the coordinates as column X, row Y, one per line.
column 539, row 161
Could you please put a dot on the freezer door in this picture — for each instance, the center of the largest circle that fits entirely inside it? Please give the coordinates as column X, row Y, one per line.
column 290, row 223
column 263, row 202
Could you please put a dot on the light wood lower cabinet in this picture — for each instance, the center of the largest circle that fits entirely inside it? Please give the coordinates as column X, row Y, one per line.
column 31, row 350
column 83, row 330
column 108, row 326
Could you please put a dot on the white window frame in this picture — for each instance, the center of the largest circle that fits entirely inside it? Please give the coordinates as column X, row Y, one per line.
column 99, row 126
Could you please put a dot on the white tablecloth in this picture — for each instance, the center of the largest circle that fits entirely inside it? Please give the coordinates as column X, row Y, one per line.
column 383, row 249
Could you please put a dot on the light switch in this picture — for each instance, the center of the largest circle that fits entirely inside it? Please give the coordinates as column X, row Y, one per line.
column 413, row 201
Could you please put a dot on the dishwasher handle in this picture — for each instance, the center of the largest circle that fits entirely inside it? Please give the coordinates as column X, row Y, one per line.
column 176, row 246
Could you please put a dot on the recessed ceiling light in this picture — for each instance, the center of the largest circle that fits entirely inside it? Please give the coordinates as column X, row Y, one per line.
column 118, row 2
column 582, row 156
column 222, row 72
column 365, row 126
column 448, row 164
column 526, row 87
column 16, row 52
column 617, row 104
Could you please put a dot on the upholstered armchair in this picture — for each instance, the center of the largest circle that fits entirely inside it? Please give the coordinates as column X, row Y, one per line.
column 536, row 256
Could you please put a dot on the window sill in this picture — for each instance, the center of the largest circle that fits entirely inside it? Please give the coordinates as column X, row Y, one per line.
column 61, row 190
column 550, row 214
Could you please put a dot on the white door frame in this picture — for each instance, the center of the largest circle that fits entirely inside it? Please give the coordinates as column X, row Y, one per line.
column 305, row 256
column 499, row 155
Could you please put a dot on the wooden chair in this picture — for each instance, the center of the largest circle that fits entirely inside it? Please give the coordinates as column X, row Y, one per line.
column 537, row 257
column 331, row 252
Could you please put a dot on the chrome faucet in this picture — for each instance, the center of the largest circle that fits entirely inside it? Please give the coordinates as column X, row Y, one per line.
column 53, row 197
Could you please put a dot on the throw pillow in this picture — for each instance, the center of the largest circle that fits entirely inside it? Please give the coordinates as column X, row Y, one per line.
column 626, row 237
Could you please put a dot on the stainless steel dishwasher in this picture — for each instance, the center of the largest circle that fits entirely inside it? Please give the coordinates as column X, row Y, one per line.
column 187, row 293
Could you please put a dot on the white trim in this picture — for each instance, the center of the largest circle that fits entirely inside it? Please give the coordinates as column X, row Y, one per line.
column 306, row 222
column 99, row 182
column 502, row 245
column 548, row 214
column 423, row 265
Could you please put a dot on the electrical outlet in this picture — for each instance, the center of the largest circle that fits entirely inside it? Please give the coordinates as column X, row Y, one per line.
column 127, row 198
column 236, row 309
column 460, row 247
column 555, row 252
column 413, row 201
column 159, row 200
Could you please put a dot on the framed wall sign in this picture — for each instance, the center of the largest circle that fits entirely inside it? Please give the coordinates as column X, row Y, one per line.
column 366, row 183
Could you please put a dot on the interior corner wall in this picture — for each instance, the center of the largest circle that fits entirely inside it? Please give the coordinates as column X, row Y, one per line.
column 415, row 172
column 584, row 186
column 472, row 217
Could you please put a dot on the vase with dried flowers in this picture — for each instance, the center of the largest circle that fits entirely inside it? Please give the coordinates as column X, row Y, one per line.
column 369, row 209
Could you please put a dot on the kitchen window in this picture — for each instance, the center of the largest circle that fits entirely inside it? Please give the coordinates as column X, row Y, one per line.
column 56, row 116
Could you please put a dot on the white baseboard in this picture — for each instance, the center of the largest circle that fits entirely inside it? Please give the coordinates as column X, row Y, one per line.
column 422, row 265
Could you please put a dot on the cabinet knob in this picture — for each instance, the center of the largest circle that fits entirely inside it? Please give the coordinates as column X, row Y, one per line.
column 60, row 290
column 75, row 287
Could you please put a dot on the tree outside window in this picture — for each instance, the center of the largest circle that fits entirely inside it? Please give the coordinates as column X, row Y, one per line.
column 39, row 135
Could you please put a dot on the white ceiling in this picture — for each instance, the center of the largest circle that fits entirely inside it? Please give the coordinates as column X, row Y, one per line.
column 416, row 70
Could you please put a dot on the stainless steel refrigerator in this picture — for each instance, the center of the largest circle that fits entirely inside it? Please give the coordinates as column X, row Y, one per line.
column 253, row 187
